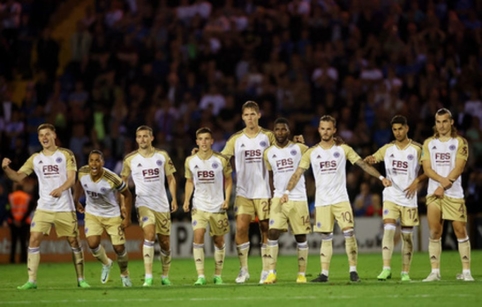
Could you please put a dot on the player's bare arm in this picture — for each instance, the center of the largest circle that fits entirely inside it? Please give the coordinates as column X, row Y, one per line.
column 11, row 174
column 444, row 182
column 458, row 170
column 127, row 207
column 373, row 172
column 78, row 191
column 171, row 182
column 292, row 183
column 188, row 190
column 228, row 187
column 67, row 184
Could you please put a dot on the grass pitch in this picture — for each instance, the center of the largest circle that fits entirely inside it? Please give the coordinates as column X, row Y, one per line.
column 57, row 285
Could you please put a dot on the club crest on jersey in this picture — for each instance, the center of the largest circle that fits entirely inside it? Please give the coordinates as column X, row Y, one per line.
column 263, row 144
column 215, row 165
column 452, row 147
column 159, row 162
column 410, row 157
column 58, row 160
column 103, row 190
column 293, row 152
column 336, row 154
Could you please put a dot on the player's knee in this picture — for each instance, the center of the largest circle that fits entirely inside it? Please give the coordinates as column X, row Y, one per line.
column 389, row 226
column 327, row 236
column 73, row 242
column 273, row 234
column 119, row 249
column 348, row 233
column 300, row 238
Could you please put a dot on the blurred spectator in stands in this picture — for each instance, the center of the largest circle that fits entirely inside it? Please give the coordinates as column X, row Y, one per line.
column 21, row 205
column 367, row 203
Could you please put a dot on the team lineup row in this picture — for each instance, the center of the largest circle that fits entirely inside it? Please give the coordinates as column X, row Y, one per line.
column 270, row 186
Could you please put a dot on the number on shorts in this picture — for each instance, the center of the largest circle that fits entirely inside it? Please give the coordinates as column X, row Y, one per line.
column 223, row 223
column 462, row 209
column 305, row 220
column 265, row 205
column 120, row 232
column 347, row 217
column 412, row 213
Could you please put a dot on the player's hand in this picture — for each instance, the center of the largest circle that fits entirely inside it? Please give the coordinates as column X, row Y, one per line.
column 56, row 192
column 370, row 160
column 80, row 208
column 299, row 139
column 439, row 192
column 386, row 182
column 126, row 222
column 185, row 207
column 5, row 163
column 194, row 151
column 412, row 189
column 225, row 205
column 173, row 206
column 284, row 198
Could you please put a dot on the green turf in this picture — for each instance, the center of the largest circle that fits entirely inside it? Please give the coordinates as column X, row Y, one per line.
column 57, row 285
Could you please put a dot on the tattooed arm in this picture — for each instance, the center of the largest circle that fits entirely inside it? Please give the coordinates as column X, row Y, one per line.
column 373, row 172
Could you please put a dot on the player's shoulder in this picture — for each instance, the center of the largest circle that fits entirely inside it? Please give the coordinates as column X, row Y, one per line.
column 266, row 131
column 236, row 135
column 162, row 152
column 131, row 155
column 65, row 151
column 84, row 170
column 461, row 140
column 416, row 144
column 429, row 139
column 220, row 156
column 110, row 175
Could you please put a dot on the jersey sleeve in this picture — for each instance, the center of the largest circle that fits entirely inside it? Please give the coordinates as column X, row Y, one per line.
column 228, row 149
column 266, row 160
column 187, row 170
column 350, row 154
column 425, row 151
column 305, row 160
column 27, row 167
column 379, row 155
column 463, row 149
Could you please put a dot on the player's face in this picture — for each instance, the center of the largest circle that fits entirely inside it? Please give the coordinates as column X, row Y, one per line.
column 400, row 132
column 144, row 139
column 204, row 141
column 95, row 163
column 281, row 133
column 443, row 124
column 327, row 130
column 46, row 137
column 250, row 117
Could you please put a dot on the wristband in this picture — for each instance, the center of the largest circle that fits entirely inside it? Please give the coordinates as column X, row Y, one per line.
column 287, row 192
column 381, row 177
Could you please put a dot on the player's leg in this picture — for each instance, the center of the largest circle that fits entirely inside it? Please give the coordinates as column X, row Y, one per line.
column 219, row 226
column 66, row 226
column 148, row 252
column 33, row 260
column 300, row 223
column 198, row 253
column 389, row 228
column 409, row 219
column 278, row 221
column 435, row 225
column 93, row 231
column 245, row 213
column 302, row 249
column 262, row 211
column 165, row 244
column 344, row 217
column 118, row 239
column 219, row 255
column 324, row 223
column 123, row 261
column 147, row 221
column 455, row 210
